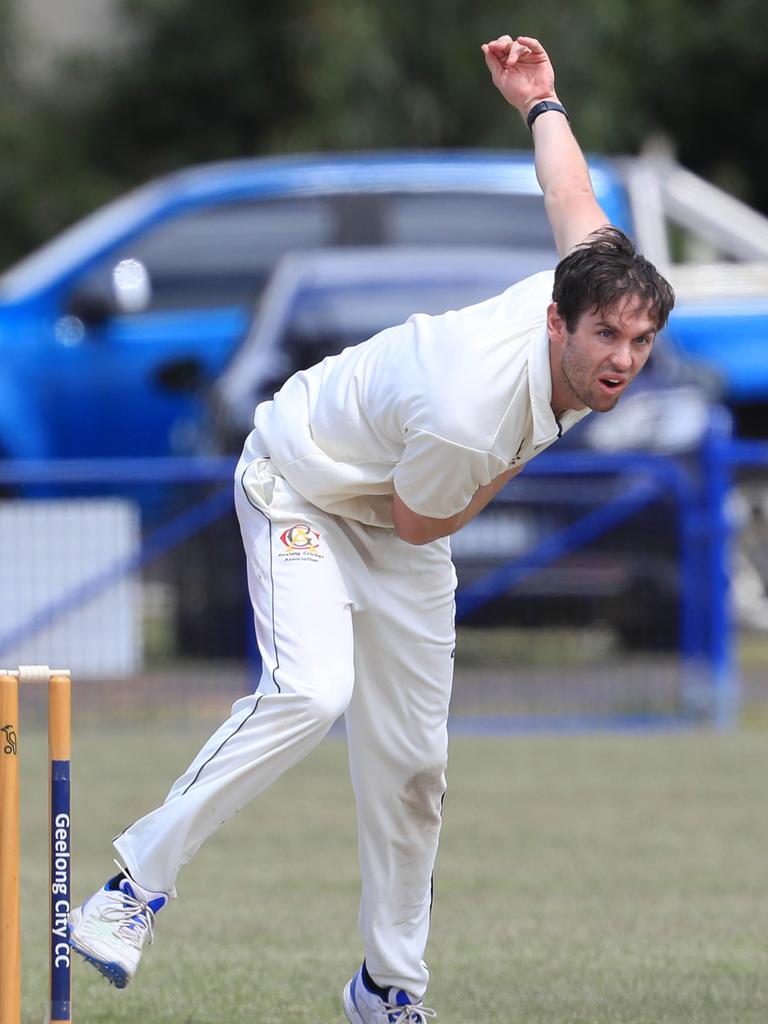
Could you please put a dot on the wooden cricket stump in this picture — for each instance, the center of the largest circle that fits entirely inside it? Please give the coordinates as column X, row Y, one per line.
column 59, row 827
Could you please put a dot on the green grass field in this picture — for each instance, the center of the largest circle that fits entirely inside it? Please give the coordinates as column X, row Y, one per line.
column 602, row 879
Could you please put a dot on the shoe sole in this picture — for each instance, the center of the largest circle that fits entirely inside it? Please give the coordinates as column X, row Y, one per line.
column 350, row 1010
column 113, row 972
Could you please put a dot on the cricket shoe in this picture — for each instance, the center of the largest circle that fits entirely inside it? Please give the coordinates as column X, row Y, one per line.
column 111, row 928
column 365, row 1002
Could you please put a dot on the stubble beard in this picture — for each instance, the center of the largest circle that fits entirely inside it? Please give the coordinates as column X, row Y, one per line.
column 576, row 378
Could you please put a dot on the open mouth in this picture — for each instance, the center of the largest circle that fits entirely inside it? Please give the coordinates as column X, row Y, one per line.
column 611, row 384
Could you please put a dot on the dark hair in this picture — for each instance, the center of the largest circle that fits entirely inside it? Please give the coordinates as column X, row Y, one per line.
column 604, row 269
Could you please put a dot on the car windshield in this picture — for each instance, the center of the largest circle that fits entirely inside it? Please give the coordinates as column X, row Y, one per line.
column 324, row 320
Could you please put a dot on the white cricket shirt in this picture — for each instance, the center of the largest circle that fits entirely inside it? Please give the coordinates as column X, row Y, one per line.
column 434, row 408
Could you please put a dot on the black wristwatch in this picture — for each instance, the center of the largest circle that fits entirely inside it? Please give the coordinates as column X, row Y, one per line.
column 543, row 107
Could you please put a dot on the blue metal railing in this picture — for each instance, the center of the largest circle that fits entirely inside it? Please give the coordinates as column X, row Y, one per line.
column 116, row 471
column 556, row 546
column 699, row 493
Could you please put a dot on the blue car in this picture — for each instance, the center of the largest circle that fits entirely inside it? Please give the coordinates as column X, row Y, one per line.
column 111, row 332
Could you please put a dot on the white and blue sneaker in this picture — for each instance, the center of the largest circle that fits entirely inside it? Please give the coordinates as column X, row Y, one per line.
column 111, row 928
column 365, row 1002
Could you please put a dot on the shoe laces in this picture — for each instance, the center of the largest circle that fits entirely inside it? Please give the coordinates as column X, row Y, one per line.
column 135, row 919
column 408, row 1014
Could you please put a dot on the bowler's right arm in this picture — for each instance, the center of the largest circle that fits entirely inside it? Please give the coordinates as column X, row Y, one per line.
column 523, row 74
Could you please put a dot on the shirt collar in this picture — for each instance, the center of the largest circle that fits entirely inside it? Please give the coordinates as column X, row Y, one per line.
column 546, row 427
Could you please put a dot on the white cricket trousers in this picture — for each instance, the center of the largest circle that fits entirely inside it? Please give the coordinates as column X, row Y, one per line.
column 350, row 620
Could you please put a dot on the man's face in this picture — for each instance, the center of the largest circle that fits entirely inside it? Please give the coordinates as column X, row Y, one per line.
column 603, row 355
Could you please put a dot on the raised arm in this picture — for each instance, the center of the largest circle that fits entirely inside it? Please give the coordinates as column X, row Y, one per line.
column 523, row 74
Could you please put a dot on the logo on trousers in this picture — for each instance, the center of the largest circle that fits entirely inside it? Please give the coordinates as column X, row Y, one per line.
column 300, row 542
column 301, row 537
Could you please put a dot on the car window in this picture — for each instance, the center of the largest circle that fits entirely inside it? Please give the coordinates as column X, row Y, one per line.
column 357, row 310
column 222, row 255
column 219, row 255
column 323, row 321
column 468, row 219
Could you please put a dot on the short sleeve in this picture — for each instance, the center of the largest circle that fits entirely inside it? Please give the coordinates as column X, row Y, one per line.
column 437, row 478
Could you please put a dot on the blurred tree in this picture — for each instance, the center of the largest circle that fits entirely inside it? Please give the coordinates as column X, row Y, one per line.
column 9, row 166
column 5, row 44
column 45, row 178
column 203, row 80
column 695, row 72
